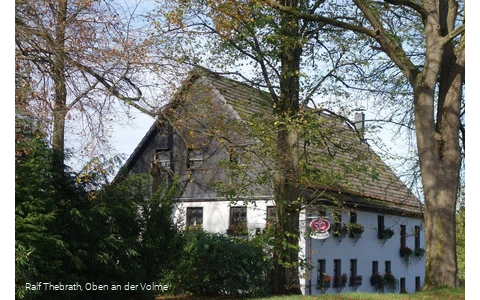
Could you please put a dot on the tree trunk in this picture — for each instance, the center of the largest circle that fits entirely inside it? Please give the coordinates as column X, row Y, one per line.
column 284, row 278
column 440, row 157
column 60, row 86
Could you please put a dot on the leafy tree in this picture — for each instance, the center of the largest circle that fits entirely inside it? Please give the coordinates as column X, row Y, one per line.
column 417, row 53
column 280, row 49
column 435, row 72
column 75, row 55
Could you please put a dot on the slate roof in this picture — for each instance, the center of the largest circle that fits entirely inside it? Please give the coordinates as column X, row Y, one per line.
column 381, row 192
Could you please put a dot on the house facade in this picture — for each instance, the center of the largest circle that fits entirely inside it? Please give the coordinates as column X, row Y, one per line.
column 346, row 228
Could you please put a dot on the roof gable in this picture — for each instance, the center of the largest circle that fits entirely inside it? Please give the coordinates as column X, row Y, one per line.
column 346, row 165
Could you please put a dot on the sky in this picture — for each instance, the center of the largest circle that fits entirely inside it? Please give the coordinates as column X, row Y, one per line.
column 126, row 138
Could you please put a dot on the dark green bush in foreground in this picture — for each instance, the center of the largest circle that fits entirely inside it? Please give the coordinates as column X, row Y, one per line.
column 213, row 264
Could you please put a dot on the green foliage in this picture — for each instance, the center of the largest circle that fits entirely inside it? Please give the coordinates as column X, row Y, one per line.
column 70, row 228
column 377, row 282
column 390, row 282
column 355, row 228
column 213, row 265
column 386, row 234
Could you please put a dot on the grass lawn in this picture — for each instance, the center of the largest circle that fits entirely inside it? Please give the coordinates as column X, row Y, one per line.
column 445, row 293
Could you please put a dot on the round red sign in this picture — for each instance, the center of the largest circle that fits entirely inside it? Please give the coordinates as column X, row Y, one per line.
column 320, row 225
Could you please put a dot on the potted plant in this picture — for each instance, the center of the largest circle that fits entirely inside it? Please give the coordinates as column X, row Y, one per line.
column 378, row 282
column 355, row 230
column 390, row 282
column 417, row 255
column 324, row 281
column 356, row 280
column 340, row 231
column 405, row 251
column 419, row 252
column 341, row 281
column 386, row 234
column 238, row 229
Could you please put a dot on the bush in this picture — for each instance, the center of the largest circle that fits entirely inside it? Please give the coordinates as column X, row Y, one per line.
column 72, row 228
column 213, row 265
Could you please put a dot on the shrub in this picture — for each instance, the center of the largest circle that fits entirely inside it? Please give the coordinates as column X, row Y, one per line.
column 214, row 265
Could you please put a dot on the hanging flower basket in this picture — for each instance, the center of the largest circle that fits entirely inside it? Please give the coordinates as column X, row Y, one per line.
column 390, row 282
column 355, row 230
column 417, row 255
column 356, row 280
column 385, row 234
column 377, row 282
column 405, row 252
column 324, row 282
column 340, row 231
column 419, row 252
column 341, row 281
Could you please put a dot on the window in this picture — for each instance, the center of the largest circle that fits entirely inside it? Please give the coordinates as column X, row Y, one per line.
column 388, row 266
column 418, row 286
column 353, row 217
column 381, row 224
column 194, row 158
column 403, row 235
column 321, row 271
column 163, row 157
column 417, row 237
column 194, row 216
column 374, row 267
column 238, row 215
column 353, row 268
column 337, row 271
column 271, row 215
column 402, row 285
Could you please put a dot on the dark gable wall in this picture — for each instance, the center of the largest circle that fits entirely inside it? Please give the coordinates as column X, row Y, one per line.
column 158, row 139
column 195, row 182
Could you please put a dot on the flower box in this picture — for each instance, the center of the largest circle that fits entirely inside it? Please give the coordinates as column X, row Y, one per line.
column 386, row 234
column 405, row 251
column 341, row 281
column 238, row 229
column 419, row 252
column 355, row 230
column 356, row 280
column 339, row 231
column 324, row 282
column 390, row 282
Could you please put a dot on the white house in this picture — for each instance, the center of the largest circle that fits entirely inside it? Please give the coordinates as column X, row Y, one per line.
column 199, row 145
